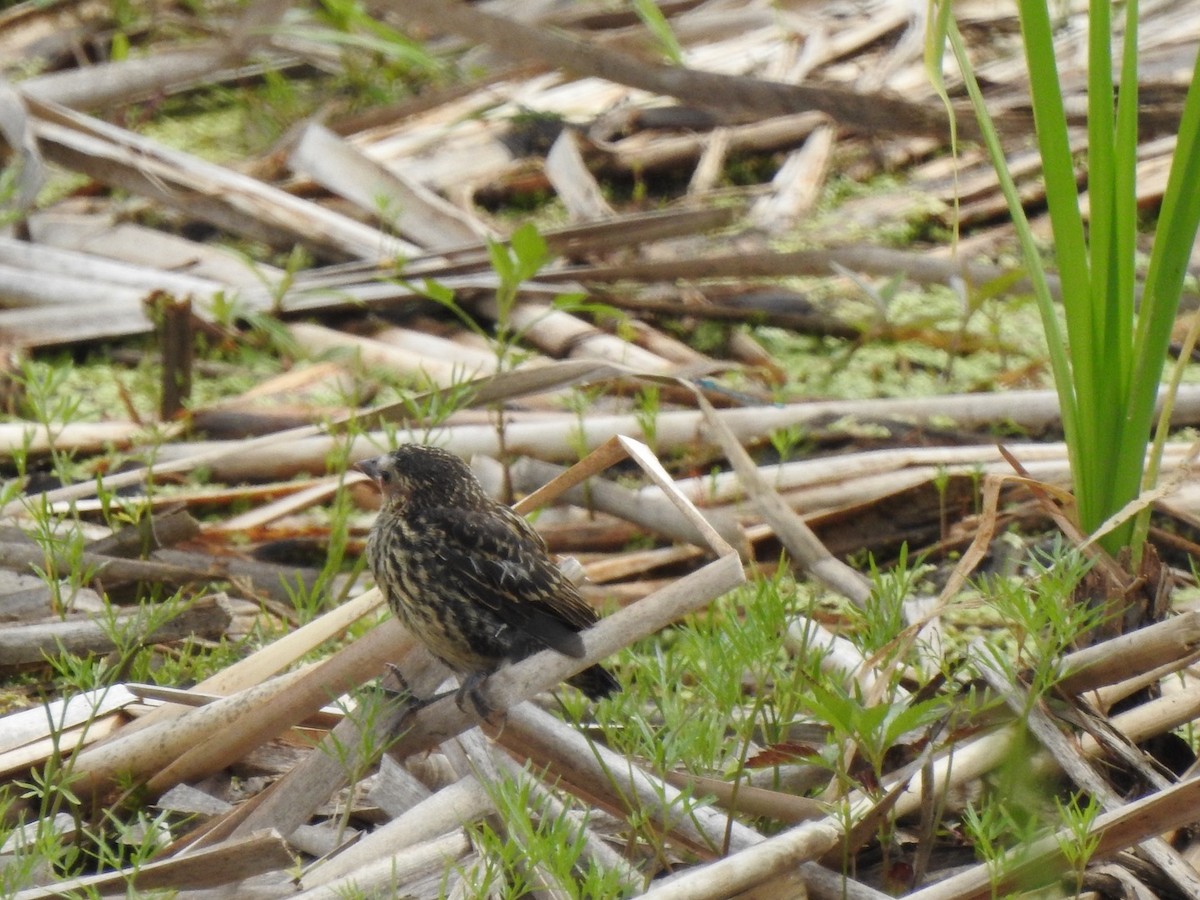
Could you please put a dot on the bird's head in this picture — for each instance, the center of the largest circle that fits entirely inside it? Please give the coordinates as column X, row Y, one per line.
column 414, row 476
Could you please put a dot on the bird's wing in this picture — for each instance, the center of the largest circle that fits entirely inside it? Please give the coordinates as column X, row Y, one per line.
column 497, row 560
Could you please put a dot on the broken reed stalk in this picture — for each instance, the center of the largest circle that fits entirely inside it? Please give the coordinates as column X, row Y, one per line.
column 327, row 768
column 452, row 807
column 256, row 854
column 318, row 685
column 176, row 343
column 380, row 876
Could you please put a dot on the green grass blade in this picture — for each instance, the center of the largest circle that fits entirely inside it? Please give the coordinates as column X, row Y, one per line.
column 1116, row 260
column 1060, row 365
column 1175, row 234
column 1125, row 209
column 1071, row 254
column 937, row 30
column 1102, row 164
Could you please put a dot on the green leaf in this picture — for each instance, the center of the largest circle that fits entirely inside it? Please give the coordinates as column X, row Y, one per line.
column 656, row 23
column 530, row 250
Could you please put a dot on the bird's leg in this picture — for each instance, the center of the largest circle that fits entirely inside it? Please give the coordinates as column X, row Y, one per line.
column 396, row 689
column 403, row 690
column 469, row 690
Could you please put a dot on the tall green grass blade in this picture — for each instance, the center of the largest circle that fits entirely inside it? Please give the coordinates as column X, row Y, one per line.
column 1102, row 175
column 1108, row 368
column 1174, row 236
column 1113, row 267
column 1125, row 209
column 1060, row 365
column 936, row 32
column 1070, row 247
column 1110, row 158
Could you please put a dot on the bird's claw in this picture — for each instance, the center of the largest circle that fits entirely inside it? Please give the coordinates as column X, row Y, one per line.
column 400, row 685
column 470, row 690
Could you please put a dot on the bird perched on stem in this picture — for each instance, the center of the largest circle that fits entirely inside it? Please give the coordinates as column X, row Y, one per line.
column 470, row 578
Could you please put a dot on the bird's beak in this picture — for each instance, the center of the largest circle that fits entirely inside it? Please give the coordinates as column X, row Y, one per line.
column 369, row 467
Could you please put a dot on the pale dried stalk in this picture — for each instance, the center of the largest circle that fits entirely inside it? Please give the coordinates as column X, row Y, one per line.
column 218, row 496
column 177, row 742
column 80, row 437
column 255, row 854
column 892, row 463
column 822, row 498
column 370, row 352
column 574, row 183
column 300, row 499
column 709, row 89
column 971, row 760
column 450, row 808
column 560, row 334
column 471, row 751
column 320, row 684
column 650, row 510
column 751, row 800
column 796, row 185
column 916, row 266
column 36, row 723
column 490, row 389
column 752, row 866
column 284, row 652
column 302, row 450
column 711, row 148
column 804, row 546
column 296, row 796
column 137, row 752
column 109, row 85
column 386, row 876
column 85, row 268
column 62, row 741
column 231, row 200
column 23, row 646
column 622, row 566
column 406, row 205
column 1104, row 698
column 1153, row 718
column 469, row 357
column 1129, row 655
column 838, row 656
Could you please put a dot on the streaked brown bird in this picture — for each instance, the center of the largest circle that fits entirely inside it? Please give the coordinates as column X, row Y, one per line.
column 470, row 578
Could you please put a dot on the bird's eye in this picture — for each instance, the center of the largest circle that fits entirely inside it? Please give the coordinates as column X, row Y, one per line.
column 385, row 476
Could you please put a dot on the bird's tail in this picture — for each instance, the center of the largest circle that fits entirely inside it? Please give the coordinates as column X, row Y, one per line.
column 596, row 682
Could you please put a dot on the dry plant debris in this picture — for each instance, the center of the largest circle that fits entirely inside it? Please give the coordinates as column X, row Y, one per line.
column 379, row 246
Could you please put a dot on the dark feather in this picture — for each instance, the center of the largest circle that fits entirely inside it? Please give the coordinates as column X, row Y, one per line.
column 502, row 570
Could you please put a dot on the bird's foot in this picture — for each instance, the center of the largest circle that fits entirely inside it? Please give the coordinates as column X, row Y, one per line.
column 394, row 682
column 398, row 694
column 470, row 690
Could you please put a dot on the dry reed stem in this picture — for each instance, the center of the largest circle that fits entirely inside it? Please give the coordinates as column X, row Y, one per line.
column 257, row 853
